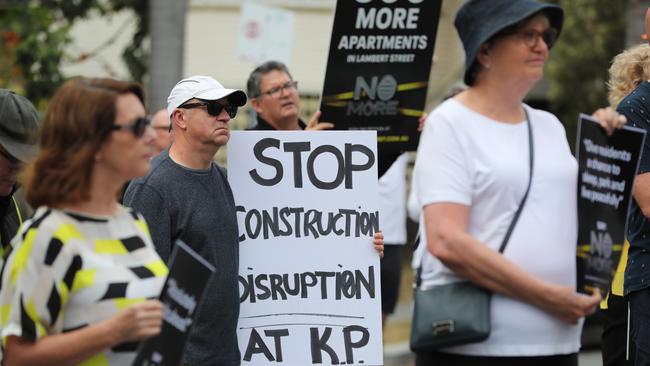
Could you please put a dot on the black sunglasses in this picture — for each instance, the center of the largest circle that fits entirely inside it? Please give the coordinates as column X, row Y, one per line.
column 137, row 127
column 214, row 108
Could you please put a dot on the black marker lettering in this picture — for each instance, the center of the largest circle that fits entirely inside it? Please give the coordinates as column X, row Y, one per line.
column 258, row 150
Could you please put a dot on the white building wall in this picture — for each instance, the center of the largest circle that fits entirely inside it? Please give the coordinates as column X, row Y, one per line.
column 211, row 44
column 105, row 38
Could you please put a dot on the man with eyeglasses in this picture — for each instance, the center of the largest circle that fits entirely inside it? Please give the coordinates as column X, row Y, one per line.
column 274, row 95
column 161, row 124
column 18, row 143
column 186, row 196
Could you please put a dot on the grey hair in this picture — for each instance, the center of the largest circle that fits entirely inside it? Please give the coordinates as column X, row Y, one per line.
column 255, row 78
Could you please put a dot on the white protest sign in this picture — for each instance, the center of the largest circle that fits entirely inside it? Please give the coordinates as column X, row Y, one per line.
column 307, row 208
column 265, row 33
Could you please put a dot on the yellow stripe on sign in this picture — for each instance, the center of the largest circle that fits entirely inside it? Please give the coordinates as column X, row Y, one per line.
column 158, row 267
column 341, row 96
column 84, row 278
column 123, row 303
column 336, row 104
column 109, row 246
column 22, row 255
column 583, row 248
column 66, row 232
column 99, row 359
column 411, row 86
column 411, row 112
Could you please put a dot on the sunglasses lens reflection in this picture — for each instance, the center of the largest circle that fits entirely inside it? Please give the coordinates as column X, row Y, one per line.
column 214, row 109
column 140, row 126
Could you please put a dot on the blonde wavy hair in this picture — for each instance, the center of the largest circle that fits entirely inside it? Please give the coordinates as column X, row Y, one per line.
column 629, row 69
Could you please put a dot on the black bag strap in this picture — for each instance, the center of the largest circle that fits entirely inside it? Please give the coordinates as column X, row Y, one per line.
column 515, row 218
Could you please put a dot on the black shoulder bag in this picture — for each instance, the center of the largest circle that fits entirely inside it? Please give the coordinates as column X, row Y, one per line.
column 457, row 313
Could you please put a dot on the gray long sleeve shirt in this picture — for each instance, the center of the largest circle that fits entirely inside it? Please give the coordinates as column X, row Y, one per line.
column 197, row 206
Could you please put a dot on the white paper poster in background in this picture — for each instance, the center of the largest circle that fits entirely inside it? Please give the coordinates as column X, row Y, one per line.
column 265, row 33
column 309, row 275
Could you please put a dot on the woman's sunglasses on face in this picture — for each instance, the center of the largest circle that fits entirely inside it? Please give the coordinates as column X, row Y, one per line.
column 137, row 127
column 214, row 108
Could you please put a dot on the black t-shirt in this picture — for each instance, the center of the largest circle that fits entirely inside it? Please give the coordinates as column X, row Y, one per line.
column 262, row 125
column 636, row 108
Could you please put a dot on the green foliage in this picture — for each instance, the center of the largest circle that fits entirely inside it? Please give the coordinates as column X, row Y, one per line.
column 593, row 33
column 34, row 35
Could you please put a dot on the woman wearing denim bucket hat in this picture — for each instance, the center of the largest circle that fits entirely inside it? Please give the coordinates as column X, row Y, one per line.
column 478, row 148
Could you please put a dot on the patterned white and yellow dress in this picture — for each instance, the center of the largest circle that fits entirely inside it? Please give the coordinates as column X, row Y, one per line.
column 68, row 270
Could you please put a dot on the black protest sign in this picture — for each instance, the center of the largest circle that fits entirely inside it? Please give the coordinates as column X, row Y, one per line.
column 607, row 166
column 378, row 68
column 188, row 276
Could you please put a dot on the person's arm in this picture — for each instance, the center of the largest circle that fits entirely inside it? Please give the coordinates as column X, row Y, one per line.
column 641, row 192
column 314, row 125
column 378, row 243
column 138, row 322
column 635, row 115
column 448, row 240
column 150, row 203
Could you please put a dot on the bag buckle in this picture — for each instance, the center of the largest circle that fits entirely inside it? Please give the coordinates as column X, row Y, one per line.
column 442, row 327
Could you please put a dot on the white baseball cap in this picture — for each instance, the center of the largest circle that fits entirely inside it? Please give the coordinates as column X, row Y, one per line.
column 202, row 87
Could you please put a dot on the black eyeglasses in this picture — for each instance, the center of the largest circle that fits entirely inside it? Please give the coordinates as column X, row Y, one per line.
column 277, row 91
column 214, row 108
column 531, row 36
column 137, row 127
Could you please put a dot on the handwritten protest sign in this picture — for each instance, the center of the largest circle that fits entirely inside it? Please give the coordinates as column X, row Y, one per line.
column 188, row 275
column 378, row 68
column 309, row 276
column 607, row 167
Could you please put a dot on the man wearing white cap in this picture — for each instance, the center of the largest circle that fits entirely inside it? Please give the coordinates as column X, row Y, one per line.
column 186, row 196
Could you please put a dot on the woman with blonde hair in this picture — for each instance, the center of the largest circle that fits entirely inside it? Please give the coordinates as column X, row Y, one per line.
column 630, row 92
column 75, row 286
column 629, row 69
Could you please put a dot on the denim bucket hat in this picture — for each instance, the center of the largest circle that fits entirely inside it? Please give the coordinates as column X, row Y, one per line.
column 478, row 20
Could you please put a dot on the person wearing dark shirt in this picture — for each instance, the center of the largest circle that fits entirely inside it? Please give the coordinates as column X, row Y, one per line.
column 186, row 196
column 274, row 96
column 18, row 143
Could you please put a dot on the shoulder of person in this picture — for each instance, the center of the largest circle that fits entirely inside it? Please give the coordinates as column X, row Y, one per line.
column 543, row 118
column 47, row 223
column 222, row 170
column 637, row 103
column 447, row 112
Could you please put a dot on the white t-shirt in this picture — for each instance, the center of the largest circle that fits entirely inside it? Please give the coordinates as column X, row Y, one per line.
column 472, row 160
column 392, row 201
